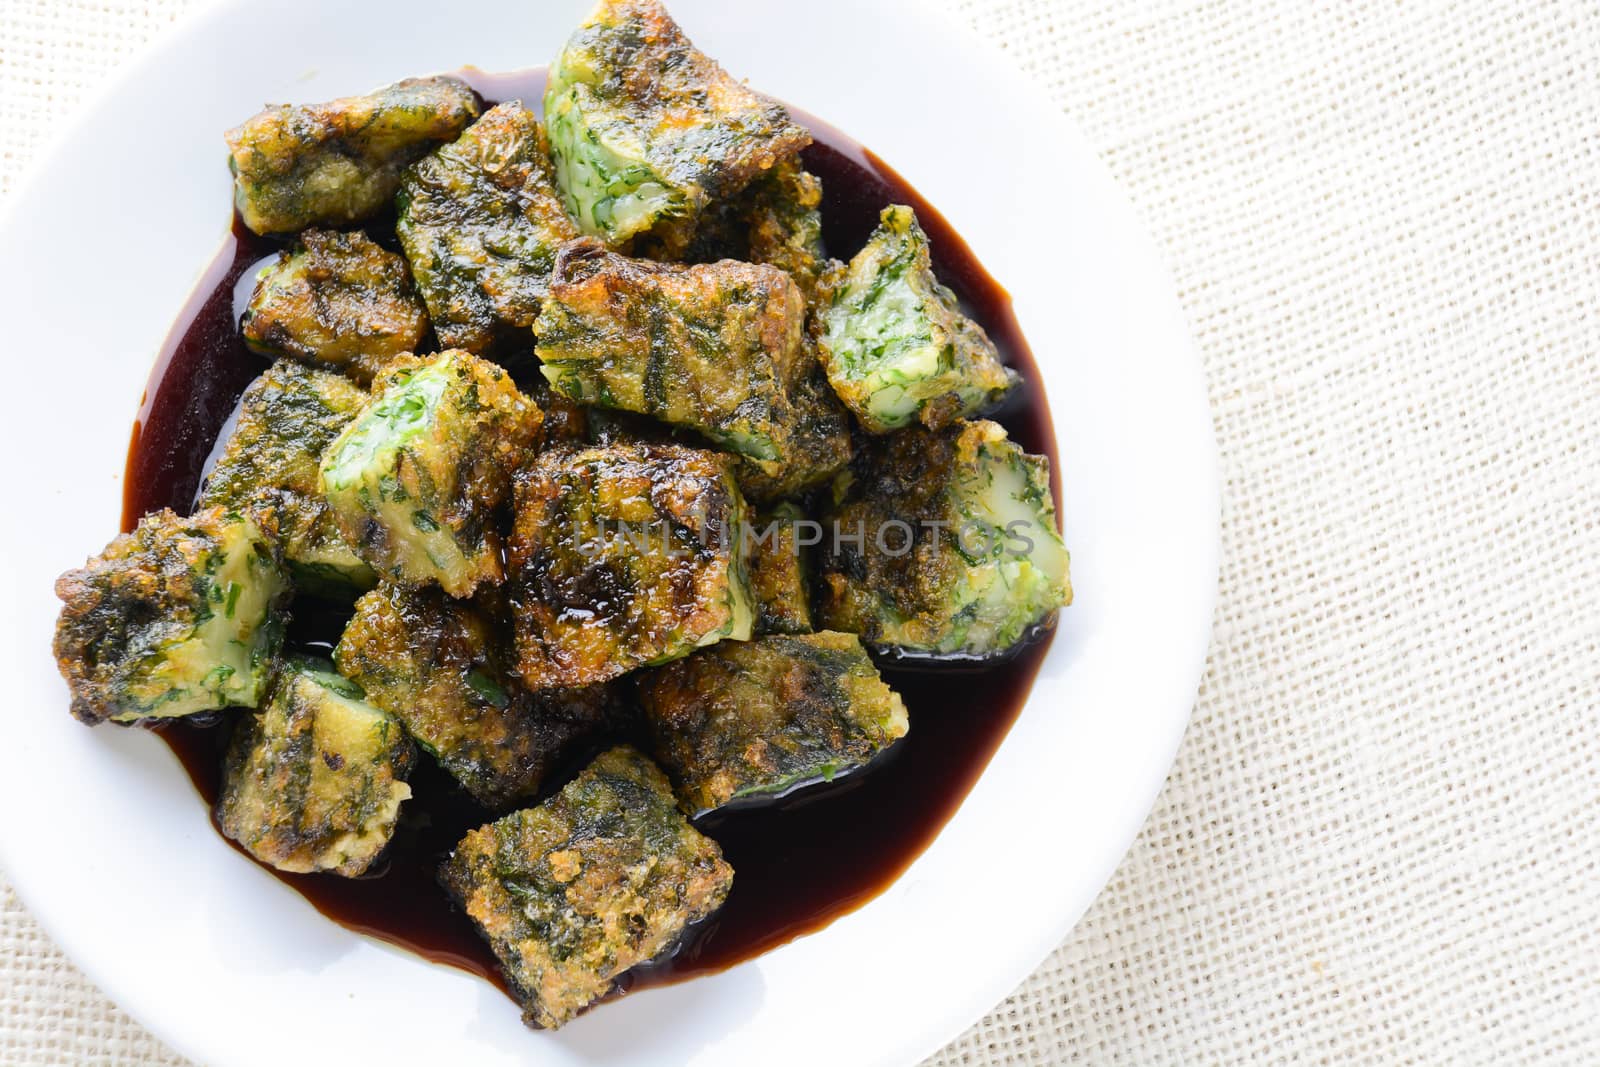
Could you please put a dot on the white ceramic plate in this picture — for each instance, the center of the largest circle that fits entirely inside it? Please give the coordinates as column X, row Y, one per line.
column 105, row 838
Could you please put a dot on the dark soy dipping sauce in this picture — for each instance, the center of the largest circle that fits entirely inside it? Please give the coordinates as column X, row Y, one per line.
column 800, row 863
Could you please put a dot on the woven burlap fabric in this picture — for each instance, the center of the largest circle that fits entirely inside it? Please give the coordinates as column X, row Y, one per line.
column 1378, row 844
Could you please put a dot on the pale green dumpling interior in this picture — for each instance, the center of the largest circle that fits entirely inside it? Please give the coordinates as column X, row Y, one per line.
column 225, row 660
column 896, row 346
column 361, row 471
column 362, row 736
column 1017, row 565
column 600, row 165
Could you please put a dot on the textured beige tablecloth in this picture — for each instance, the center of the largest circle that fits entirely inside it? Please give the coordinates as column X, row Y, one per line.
column 1379, row 842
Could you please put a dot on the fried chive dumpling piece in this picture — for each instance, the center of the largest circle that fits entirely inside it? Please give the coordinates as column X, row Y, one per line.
column 776, row 220
column 337, row 163
column 896, row 346
column 762, row 718
column 942, row 543
column 338, row 300
column 314, row 781
column 481, row 221
column 182, row 615
column 647, row 131
column 442, row 667
column 818, row 439
column 714, row 347
column 779, row 574
column 605, row 875
column 415, row 479
column 268, row 468
column 624, row 556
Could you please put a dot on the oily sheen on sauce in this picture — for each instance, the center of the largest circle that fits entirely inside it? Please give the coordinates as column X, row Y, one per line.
column 799, row 863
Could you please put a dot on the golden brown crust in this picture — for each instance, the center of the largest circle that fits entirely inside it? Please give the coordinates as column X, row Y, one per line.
column 481, row 220
column 647, row 130
column 716, row 347
column 622, row 556
column 339, row 300
column 180, row 616
column 315, row 780
column 414, row 480
column 443, row 668
column 336, row 163
column 763, row 717
column 603, row 876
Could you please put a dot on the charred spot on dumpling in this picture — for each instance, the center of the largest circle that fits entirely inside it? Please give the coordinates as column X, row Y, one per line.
column 818, row 444
column 622, row 556
column 776, row 220
column 566, row 421
column 780, row 571
column 444, row 668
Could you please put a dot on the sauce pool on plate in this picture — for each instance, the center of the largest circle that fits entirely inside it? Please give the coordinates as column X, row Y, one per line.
column 799, row 863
